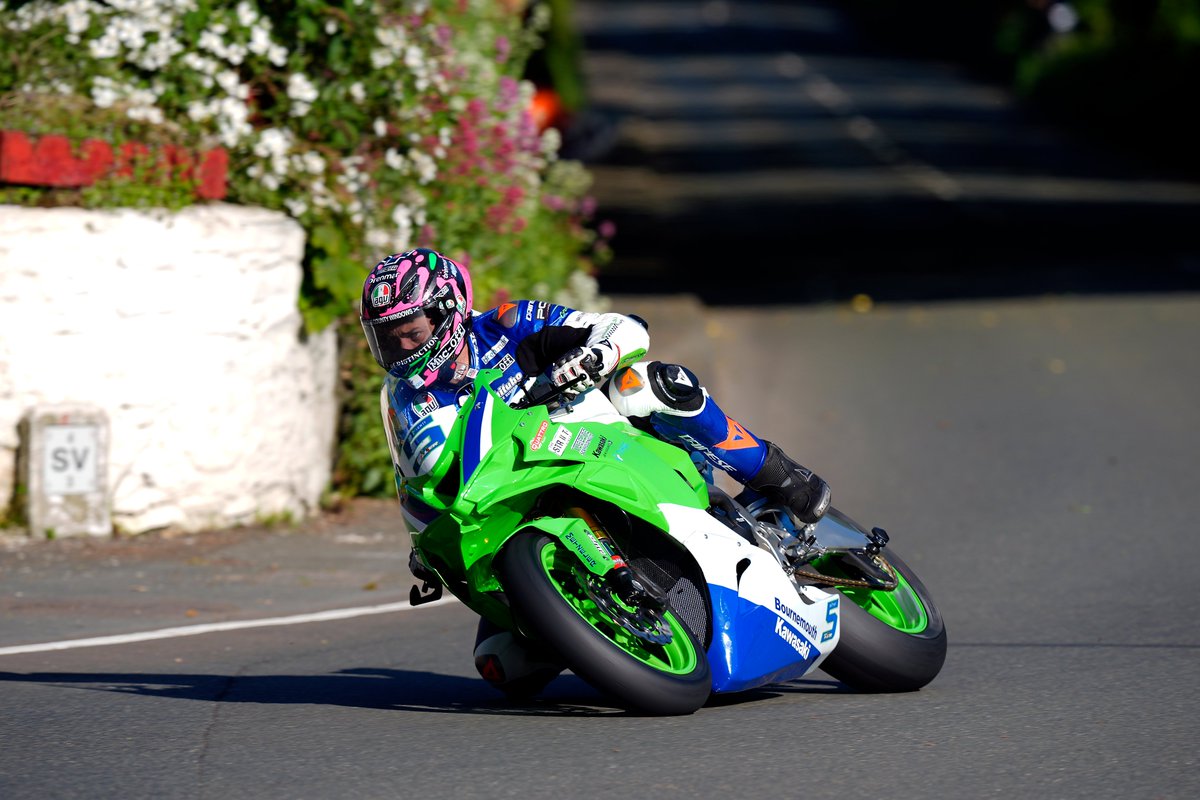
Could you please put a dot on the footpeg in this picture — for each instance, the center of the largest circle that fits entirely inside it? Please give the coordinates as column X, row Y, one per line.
column 426, row 594
column 879, row 539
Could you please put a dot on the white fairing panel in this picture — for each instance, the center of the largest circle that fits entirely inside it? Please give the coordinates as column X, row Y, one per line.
column 765, row 628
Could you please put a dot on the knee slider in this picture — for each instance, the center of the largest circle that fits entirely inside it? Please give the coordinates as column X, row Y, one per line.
column 674, row 390
column 676, row 386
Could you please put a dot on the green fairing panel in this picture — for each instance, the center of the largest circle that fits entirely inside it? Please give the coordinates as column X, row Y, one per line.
column 614, row 461
column 584, row 454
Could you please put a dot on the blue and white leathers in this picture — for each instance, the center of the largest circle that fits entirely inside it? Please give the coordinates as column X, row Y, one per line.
column 680, row 411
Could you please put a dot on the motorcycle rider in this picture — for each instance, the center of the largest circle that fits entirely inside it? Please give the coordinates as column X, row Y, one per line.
column 417, row 316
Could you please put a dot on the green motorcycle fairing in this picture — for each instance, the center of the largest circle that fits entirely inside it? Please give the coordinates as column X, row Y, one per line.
column 498, row 460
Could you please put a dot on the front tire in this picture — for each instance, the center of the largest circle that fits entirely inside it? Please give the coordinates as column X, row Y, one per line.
column 553, row 598
column 891, row 641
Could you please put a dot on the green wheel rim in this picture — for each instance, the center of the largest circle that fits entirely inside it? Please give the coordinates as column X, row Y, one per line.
column 678, row 657
column 900, row 608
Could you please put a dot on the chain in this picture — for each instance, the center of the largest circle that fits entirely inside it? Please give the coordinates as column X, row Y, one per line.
column 816, row 577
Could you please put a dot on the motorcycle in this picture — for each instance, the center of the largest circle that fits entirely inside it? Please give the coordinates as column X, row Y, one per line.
column 613, row 550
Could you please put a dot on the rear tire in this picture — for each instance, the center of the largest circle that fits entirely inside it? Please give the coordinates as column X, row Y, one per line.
column 547, row 589
column 891, row 641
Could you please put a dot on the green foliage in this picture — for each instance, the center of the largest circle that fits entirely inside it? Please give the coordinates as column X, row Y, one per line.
column 14, row 515
column 379, row 125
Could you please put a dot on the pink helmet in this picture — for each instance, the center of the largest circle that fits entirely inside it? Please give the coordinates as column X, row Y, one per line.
column 416, row 308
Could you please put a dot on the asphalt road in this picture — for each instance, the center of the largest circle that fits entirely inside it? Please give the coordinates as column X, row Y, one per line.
column 1033, row 457
column 1033, row 460
column 722, row 134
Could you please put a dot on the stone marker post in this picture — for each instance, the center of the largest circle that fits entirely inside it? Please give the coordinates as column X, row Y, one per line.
column 65, row 471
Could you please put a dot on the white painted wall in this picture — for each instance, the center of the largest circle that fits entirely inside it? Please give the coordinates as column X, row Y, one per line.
column 183, row 327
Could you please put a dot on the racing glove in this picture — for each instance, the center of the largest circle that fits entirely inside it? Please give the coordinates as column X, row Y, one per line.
column 587, row 365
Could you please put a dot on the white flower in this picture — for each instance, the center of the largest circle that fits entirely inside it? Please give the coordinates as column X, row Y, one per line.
column 330, row 27
column 270, row 182
column 273, row 143
column 198, row 111
column 426, row 167
column 104, row 92
column 246, row 14
column 394, row 160
column 147, row 113
column 295, row 206
column 358, row 92
column 377, row 239
column 78, row 16
column 314, row 163
column 232, row 121
column 198, row 63
column 414, row 59
column 260, row 40
column 300, row 88
column 107, row 46
column 158, row 54
column 551, row 142
column 212, row 43
column 277, row 55
column 228, row 80
column 380, row 126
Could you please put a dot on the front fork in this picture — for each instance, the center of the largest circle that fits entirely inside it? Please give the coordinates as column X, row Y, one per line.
column 622, row 579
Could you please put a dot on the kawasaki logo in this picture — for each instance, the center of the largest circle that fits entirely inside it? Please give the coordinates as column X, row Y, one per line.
column 798, row 642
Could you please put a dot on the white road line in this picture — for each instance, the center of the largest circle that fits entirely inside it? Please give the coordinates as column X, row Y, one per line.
column 217, row 627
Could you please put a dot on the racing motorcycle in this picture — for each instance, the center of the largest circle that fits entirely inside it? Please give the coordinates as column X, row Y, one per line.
column 613, row 550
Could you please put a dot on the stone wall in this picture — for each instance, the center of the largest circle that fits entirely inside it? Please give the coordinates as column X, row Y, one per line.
column 183, row 328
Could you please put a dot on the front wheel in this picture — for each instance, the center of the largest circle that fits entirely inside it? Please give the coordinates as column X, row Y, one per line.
column 891, row 641
column 645, row 659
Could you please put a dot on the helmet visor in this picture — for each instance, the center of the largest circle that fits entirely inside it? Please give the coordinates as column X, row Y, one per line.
column 404, row 342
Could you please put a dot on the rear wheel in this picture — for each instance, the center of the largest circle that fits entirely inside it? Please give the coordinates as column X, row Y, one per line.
column 891, row 641
column 644, row 658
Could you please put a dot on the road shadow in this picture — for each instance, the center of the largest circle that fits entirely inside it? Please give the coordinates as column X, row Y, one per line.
column 385, row 690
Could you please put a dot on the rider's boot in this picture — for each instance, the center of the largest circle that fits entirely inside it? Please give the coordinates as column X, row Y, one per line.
column 679, row 409
column 783, row 480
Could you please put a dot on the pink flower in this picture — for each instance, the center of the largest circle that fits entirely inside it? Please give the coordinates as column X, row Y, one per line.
column 509, row 91
column 503, row 48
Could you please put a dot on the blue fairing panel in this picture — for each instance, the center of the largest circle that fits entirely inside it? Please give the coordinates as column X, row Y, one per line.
column 753, row 645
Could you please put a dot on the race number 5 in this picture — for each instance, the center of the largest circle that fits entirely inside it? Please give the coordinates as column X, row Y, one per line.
column 831, row 616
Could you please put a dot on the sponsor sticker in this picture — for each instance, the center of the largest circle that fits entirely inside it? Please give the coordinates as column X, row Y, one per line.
column 582, row 440
column 490, row 355
column 381, row 295
column 538, row 438
column 562, row 437
column 424, row 404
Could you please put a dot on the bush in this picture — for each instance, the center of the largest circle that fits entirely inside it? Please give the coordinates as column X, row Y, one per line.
column 378, row 125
